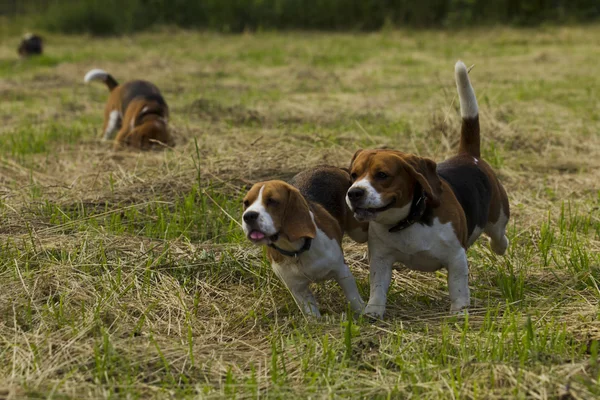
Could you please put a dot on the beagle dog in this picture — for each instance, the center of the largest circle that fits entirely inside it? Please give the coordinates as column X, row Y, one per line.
column 31, row 45
column 302, row 223
column 136, row 110
column 426, row 215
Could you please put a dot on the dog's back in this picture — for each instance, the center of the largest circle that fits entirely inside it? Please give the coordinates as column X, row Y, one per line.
column 30, row 45
column 327, row 186
column 141, row 89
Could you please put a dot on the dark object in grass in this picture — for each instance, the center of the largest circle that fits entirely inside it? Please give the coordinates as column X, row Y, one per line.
column 31, row 45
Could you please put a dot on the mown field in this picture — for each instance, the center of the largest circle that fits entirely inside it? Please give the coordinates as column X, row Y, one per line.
column 127, row 275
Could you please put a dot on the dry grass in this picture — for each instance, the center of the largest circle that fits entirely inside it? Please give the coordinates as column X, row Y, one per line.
column 126, row 274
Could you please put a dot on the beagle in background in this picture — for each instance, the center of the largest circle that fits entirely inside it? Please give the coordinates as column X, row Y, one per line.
column 136, row 110
column 426, row 215
column 303, row 223
column 31, row 45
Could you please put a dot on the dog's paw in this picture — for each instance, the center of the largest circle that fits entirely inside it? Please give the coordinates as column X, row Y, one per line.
column 459, row 312
column 373, row 312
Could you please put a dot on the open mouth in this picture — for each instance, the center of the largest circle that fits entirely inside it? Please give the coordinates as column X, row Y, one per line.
column 364, row 214
column 257, row 236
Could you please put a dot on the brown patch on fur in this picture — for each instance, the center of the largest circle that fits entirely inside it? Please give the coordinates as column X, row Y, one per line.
column 327, row 223
column 149, row 127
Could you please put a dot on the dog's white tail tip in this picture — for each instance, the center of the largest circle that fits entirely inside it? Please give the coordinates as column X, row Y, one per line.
column 466, row 94
column 95, row 75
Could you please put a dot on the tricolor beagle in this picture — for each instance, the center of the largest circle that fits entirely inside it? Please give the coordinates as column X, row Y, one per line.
column 426, row 215
column 302, row 223
column 31, row 45
column 136, row 110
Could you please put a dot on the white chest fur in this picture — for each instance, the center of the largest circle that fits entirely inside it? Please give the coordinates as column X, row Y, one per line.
column 315, row 265
column 419, row 247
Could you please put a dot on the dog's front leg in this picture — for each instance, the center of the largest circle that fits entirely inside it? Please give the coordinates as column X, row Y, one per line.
column 305, row 300
column 122, row 138
column 380, row 276
column 299, row 289
column 345, row 279
column 458, row 282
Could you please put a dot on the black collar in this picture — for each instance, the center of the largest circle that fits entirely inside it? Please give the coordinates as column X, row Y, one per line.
column 417, row 209
column 306, row 247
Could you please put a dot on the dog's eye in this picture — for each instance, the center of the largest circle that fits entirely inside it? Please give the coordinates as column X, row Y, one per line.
column 272, row 202
column 246, row 203
column 381, row 175
column 353, row 176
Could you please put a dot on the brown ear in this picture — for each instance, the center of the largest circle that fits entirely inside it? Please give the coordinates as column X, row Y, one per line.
column 297, row 222
column 424, row 171
column 137, row 138
column 354, row 157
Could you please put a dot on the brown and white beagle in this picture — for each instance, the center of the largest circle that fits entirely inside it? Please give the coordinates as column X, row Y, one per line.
column 426, row 215
column 302, row 223
column 136, row 110
column 31, row 45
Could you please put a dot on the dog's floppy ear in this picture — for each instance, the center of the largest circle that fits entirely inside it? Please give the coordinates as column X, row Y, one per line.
column 297, row 222
column 424, row 170
column 354, row 158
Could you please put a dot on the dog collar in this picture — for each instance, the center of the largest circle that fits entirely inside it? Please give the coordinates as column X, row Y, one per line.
column 305, row 247
column 417, row 209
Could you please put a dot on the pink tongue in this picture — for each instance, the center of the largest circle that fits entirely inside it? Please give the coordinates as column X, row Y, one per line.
column 256, row 235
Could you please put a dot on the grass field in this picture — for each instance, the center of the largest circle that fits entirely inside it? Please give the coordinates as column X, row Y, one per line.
column 126, row 275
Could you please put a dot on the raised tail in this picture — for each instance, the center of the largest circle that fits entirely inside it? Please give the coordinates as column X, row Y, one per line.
column 470, row 140
column 103, row 76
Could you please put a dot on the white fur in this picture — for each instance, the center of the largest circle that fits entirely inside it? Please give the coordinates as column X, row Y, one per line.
column 324, row 261
column 264, row 221
column 419, row 247
column 466, row 94
column 393, row 215
column 372, row 198
column 497, row 233
column 114, row 122
column 27, row 36
column 95, row 75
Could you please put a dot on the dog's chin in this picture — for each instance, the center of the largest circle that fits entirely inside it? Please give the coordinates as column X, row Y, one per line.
column 367, row 214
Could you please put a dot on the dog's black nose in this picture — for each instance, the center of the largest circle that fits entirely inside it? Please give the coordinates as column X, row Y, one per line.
column 250, row 216
column 356, row 193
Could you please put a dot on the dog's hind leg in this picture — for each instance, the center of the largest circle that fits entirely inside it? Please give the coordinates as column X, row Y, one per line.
column 112, row 124
column 497, row 233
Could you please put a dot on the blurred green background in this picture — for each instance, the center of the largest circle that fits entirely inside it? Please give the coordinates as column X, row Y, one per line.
column 110, row 17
